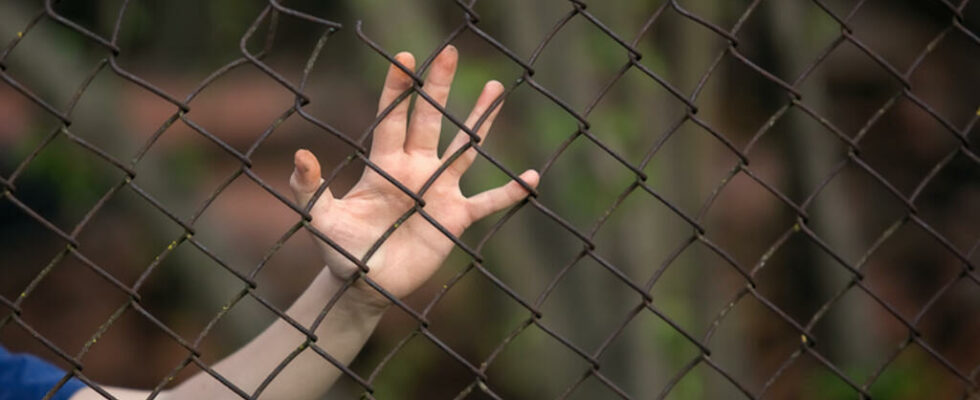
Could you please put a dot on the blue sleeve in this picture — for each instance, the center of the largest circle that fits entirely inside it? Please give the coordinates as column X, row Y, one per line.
column 26, row 377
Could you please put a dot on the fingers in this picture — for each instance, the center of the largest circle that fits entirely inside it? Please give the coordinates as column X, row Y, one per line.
column 491, row 91
column 306, row 179
column 497, row 199
column 423, row 129
column 389, row 135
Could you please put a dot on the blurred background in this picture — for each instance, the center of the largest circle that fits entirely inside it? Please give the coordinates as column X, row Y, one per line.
column 177, row 44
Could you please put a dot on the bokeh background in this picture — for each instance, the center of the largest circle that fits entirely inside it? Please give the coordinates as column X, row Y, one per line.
column 176, row 44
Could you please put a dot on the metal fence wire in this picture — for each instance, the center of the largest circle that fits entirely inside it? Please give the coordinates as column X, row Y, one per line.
column 956, row 370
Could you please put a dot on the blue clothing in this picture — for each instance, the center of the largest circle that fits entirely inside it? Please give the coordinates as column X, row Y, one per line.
column 26, row 377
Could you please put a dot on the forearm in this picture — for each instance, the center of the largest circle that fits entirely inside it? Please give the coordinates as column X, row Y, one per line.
column 342, row 333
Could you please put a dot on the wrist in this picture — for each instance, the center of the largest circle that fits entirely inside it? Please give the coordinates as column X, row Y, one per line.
column 358, row 296
column 354, row 302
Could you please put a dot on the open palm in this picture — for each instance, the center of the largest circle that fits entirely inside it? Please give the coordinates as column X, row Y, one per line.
column 406, row 151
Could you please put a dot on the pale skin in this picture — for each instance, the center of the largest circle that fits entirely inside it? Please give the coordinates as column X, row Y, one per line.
column 406, row 147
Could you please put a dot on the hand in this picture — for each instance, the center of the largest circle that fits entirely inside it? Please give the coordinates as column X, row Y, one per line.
column 407, row 151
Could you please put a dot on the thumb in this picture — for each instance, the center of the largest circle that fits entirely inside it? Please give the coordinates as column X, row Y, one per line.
column 306, row 179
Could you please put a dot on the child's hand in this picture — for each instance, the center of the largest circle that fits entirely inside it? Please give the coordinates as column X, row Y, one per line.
column 407, row 151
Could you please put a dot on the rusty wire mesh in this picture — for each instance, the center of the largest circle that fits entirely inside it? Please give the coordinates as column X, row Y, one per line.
column 696, row 234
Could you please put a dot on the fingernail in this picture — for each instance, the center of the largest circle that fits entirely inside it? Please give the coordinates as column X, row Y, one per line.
column 301, row 166
column 531, row 177
column 403, row 57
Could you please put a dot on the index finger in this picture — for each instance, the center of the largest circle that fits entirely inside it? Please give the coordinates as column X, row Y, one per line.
column 389, row 134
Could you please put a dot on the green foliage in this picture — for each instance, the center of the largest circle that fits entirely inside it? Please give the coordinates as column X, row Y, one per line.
column 77, row 178
column 402, row 375
column 910, row 377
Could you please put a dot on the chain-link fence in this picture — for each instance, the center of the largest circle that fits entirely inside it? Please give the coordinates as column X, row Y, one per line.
column 794, row 196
